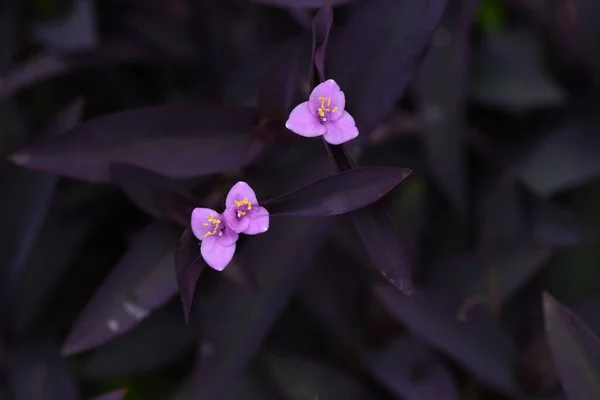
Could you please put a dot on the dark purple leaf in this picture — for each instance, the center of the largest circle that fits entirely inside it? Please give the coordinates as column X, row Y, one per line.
column 175, row 141
column 279, row 86
column 75, row 31
column 393, row 366
column 575, row 349
column 479, row 346
column 52, row 63
column 339, row 193
column 188, row 267
column 114, row 395
column 301, row 3
column 501, row 269
column 444, row 95
column 26, row 197
column 384, row 246
column 377, row 53
column 235, row 321
column 39, row 373
column 142, row 281
column 321, row 25
column 157, row 342
column 156, row 194
column 300, row 378
column 568, row 156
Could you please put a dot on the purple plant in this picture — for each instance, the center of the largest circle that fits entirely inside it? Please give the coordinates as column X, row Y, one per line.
column 404, row 262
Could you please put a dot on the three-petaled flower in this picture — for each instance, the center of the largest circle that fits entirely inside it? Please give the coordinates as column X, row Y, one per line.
column 324, row 115
column 220, row 232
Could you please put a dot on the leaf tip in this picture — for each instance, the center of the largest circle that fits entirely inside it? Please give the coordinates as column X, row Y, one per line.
column 21, row 159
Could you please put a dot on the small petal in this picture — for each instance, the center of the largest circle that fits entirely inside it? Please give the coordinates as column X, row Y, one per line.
column 342, row 130
column 303, row 123
column 259, row 222
column 234, row 223
column 216, row 255
column 199, row 217
column 330, row 90
column 240, row 191
column 229, row 237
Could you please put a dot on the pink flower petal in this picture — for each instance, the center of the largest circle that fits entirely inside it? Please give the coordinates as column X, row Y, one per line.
column 216, row 255
column 303, row 123
column 234, row 223
column 229, row 236
column 259, row 222
column 342, row 130
column 329, row 90
column 199, row 217
column 240, row 191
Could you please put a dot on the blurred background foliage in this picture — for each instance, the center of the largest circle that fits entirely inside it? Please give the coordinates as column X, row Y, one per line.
column 499, row 124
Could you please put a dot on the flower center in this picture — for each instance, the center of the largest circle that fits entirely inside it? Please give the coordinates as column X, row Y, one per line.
column 324, row 110
column 243, row 206
column 218, row 228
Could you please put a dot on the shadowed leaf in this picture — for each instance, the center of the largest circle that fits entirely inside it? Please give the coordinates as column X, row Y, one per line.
column 339, row 193
column 299, row 378
column 301, row 3
column 575, row 349
column 479, row 346
column 376, row 54
column 156, row 342
column 50, row 64
column 39, row 373
column 156, row 194
column 114, row 395
column 279, row 86
column 188, row 267
column 444, row 93
column 142, row 281
column 235, row 320
column 394, row 366
column 384, row 246
column 175, row 141
column 75, row 31
column 26, row 197
column 568, row 156
column 321, row 25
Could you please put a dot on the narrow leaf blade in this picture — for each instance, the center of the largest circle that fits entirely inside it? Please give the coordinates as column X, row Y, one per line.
column 339, row 193
column 175, row 141
column 142, row 281
column 188, row 267
column 576, row 350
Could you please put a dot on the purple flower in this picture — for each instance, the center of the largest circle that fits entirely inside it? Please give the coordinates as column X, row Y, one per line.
column 242, row 212
column 218, row 240
column 323, row 114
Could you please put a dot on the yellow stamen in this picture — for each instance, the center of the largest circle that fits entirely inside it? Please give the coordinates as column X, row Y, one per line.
column 334, row 109
column 216, row 222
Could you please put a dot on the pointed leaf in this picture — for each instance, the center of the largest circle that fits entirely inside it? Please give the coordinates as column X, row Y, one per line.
column 479, row 346
column 142, row 281
column 384, row 246
column 158, row 341
column 188, row 267
column 378, row 52
column 114, row 395
column 444, row 94
column 235, row 321
column 576, row 351
column 175, row 141
column 339, row 193
column 321, row 25
column 156, row 194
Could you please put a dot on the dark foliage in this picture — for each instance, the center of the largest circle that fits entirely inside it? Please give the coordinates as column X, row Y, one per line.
column 448, row 252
